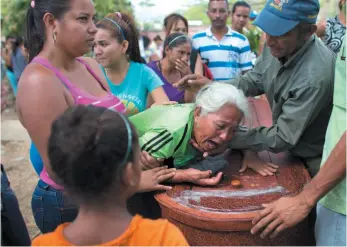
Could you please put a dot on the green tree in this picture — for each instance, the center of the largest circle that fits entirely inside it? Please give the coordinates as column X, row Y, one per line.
column 13, row 16
column 103, row 7
column 14, row 13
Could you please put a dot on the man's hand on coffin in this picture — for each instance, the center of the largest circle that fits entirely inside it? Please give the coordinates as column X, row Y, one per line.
column 252, row 160
column 280, row 215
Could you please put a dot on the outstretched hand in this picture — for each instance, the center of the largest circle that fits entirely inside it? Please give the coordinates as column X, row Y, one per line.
column 151, row 179
column 192, row 82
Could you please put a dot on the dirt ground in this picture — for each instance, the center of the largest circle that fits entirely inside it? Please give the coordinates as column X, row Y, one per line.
column 15, row 158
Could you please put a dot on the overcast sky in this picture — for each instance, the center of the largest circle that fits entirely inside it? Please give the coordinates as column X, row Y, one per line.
column 160, row 10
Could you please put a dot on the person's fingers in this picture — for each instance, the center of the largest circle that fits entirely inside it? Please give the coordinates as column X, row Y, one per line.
column 278, row 230
column 211, row 181
column 273, row 165
column 157, row 169
column 268, row 172
column 162, row 187
column 243, row 167
column 261, row 172
column 261, row 214
column 264, row 221
column 165, row 176
column 168, row 103
column 204, row 174
column 184, row 81
column 270, row 228
column 205, row 154
column 218, row 177
column 179, row 68
column 269, row 168
column 151, row 161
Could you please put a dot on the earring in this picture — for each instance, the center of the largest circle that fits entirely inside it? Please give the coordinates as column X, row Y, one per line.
column 54, row 37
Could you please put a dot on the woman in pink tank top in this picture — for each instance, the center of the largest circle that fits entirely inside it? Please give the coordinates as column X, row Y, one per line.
column 58, row 33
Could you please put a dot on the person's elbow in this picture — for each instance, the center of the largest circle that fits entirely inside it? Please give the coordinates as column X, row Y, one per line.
column 280, row 144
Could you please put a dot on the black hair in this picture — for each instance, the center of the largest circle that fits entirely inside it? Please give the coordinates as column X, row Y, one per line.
column 176, row 41
column 146, row 41
column 87, row 148
column 129, row 32
column 226, row 1
column 35, row 27
column 240, row 4
column 172, row 19
column 157, row 38
column 9, row 37
column 18, row 42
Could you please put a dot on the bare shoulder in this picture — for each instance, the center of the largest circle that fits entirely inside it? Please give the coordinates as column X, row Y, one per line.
column 37, row 76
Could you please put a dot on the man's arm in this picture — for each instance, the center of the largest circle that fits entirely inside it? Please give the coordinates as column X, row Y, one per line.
column 251, row 82
column 289, row 211
column 297, row 113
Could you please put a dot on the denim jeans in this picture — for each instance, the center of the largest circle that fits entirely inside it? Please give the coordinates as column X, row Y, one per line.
column 13, row 228
column 51, row 207
column 330, row 229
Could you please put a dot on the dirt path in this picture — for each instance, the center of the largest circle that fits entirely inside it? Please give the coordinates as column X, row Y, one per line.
column 15, row 144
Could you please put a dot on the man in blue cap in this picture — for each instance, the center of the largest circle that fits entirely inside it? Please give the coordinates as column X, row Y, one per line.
column 327, row 188
column 296, row 72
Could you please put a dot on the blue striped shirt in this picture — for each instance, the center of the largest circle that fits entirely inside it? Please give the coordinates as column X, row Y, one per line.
column 226, row 58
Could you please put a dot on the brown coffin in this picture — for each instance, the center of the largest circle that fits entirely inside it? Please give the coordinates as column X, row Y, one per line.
column 222, row 215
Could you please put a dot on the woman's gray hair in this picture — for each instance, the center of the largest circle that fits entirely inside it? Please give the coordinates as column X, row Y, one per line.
column 215, row 95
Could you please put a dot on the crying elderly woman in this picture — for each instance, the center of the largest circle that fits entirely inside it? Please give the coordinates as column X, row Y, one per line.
column 165, row 131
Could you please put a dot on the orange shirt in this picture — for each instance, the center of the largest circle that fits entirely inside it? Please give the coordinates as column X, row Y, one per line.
column 140, row 232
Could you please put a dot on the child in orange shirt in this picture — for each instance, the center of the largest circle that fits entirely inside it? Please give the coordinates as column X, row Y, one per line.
column 94, row 153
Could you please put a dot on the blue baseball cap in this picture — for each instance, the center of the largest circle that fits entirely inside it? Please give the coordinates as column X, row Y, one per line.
column 280, row 16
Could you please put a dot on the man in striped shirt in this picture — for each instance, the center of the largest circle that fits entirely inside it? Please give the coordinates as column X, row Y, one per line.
column 226, row 52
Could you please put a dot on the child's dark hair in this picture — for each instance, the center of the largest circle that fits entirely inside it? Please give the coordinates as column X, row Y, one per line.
column 122, row 27
column 87, row 151
column 239, row 4
column 35, row 28
column 172, row 20
column 174, row 40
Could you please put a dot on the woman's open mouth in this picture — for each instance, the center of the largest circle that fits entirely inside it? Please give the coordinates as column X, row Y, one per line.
column 212, row 144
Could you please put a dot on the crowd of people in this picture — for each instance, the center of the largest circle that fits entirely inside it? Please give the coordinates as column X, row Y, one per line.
column 110, row 129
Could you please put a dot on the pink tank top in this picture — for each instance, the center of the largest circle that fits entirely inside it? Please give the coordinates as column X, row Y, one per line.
column 81, row 98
